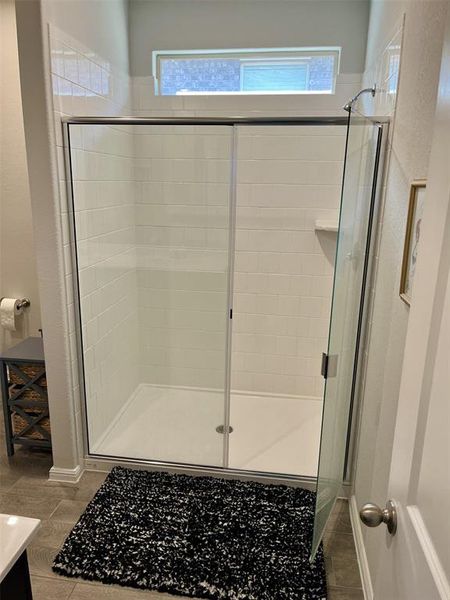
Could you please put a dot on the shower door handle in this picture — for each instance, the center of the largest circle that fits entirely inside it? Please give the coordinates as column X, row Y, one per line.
column 324, row 365
column 329, row 365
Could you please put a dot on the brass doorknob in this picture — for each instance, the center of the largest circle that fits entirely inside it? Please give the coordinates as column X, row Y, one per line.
column 372, row 516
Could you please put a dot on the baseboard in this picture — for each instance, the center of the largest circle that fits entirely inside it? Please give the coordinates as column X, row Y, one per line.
column 345, row 492
column 360, row 550
column 66, row 475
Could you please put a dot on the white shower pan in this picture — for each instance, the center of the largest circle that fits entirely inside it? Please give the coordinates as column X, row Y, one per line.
column 273, row 434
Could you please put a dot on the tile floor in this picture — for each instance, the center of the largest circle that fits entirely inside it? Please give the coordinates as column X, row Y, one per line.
column 25, row 490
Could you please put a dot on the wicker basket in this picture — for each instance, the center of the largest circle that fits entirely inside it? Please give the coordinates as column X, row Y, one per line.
column 31, row 370
column 29, row 394
column 19, row 424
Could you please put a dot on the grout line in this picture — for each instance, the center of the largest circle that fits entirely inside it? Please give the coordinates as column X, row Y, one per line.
column 346, row 587
column 55, row 509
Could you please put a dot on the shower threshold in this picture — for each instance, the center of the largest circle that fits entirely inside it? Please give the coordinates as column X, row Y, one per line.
column 273, row 434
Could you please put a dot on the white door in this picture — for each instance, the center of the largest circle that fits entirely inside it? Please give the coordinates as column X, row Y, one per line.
column 415, row 563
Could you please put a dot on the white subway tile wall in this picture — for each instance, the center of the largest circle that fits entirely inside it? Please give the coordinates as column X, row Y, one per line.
column 104, row 201
column 84, row 83
column 283, row 269
column 288, row 178
column 182, row 218
column 152, row 209
column 147, row 104
column 385, row 73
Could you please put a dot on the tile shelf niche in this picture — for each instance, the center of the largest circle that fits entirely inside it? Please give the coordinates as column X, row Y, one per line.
column 324, row 225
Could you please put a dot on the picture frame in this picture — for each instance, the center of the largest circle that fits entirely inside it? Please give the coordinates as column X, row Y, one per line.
column 412, row 238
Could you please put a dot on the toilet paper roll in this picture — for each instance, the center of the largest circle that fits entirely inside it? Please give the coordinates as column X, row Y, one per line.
column 9, row 310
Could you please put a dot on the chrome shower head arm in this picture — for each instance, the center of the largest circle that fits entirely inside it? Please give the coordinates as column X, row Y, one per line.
column 372, row 90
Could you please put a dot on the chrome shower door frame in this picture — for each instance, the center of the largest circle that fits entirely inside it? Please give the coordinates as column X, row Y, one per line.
column 105, row 462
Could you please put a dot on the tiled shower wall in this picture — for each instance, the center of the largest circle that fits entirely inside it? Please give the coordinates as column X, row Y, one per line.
column 104, row 197
column 84, row 83
column 288, row 179
column 182, row 217
column 153, row 231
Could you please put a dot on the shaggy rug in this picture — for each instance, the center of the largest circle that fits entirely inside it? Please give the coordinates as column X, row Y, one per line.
column 197, row 536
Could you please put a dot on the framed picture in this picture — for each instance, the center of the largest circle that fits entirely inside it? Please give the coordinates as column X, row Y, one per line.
column 412, row 237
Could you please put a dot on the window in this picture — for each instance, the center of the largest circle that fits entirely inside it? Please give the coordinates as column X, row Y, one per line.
column 393, row 68
column 269, row 71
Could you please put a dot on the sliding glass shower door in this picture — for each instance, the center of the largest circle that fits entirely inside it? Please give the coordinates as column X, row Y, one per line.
column 364, row 145
column 152, row 204
column 151, row 208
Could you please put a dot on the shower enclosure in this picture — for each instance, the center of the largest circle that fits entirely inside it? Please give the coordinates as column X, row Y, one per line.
column 204, row 253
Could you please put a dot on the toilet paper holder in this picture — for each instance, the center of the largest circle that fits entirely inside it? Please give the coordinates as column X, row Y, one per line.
column 24, row 303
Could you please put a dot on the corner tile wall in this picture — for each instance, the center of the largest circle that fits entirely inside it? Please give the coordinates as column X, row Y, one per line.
column 85, row 83
column 104, row 199
column 384, row 72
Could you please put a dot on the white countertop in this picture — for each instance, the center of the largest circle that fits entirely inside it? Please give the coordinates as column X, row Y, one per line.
column 15, row 535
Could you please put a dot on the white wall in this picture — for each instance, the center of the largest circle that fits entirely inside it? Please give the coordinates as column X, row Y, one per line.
column 288, row 177
column 265, row 360
column 410, row 143
column 104, row 200
column 18, row 276
column 86, row 82
column 182, row 219
column 210, row 24
column 99, row 25
column 185, row 24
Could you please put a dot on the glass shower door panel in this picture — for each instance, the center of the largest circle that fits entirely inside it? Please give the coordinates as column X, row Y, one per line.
column 362, row 156
column 182, row 234
column 154, row 280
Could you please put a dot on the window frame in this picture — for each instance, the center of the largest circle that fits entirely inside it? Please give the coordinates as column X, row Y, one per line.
column 274, row 55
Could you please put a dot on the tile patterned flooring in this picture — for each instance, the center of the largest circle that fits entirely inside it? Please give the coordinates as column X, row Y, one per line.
column 25, row 490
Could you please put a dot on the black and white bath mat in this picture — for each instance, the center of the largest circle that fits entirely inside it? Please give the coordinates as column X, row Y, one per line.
column 197, row 536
